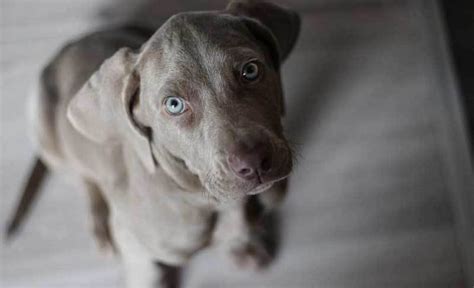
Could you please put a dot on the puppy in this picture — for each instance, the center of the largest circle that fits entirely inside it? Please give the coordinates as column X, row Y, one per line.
column 176, row 133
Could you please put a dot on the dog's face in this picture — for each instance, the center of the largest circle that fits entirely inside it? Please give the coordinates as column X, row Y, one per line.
column 205, row 98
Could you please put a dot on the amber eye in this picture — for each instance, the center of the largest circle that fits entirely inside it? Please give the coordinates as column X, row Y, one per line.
column 250, row 71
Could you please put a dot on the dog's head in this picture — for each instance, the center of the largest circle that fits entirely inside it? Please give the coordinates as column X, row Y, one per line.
column 202, row 99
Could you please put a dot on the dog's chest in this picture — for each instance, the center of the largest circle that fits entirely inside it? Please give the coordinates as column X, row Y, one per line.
column 172, row 233
column 166, row 223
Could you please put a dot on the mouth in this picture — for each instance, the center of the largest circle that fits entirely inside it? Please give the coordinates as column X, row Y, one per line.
column 180, row 162
column 178, row 170
column 260, row 188
column 263, row 186
column 222, row 185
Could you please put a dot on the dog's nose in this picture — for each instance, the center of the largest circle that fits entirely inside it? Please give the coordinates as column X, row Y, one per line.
column 250, row 161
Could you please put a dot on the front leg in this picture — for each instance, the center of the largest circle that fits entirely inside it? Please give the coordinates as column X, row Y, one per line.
column 141, row 271
column 248, row 230
column 100, row 216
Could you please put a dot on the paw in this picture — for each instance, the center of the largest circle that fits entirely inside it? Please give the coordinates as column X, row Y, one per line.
column 254, row 255
column 260, row 246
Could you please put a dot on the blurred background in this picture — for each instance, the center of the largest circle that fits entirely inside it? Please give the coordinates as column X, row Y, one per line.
column 381, row 195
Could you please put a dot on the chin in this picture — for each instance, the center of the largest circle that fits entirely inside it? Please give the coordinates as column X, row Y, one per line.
column 225, row 193
column 260, row 188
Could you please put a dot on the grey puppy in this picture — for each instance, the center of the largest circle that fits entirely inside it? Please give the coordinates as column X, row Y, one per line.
column 174, row 133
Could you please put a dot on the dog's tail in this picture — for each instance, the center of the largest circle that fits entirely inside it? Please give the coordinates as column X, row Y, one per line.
column 32, row 186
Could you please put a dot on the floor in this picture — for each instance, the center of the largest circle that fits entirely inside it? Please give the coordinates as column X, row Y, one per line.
column 369, row 200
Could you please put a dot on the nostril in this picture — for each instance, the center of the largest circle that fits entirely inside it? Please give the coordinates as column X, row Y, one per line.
column 265, row 165
column 245, row 172
column 250, row 161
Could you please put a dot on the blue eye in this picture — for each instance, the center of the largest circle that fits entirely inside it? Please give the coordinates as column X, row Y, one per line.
column 250, row 71
column 174, row 105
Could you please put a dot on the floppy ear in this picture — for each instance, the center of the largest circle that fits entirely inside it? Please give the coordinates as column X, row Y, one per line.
column 283, row 24
column 102, row 109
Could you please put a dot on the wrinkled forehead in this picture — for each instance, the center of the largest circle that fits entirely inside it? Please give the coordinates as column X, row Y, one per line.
column 200, row 40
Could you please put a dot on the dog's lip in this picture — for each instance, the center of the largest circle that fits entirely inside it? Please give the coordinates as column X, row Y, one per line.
column 184, row 166
column 260, row 188
column 263, row 186
column 181, row 162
